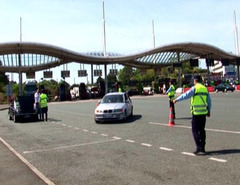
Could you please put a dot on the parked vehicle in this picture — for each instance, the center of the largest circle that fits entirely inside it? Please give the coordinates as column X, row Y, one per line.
column 148, row 91
column 114, row 106
column 224, row 88
column 23, row 108
column 132, row 92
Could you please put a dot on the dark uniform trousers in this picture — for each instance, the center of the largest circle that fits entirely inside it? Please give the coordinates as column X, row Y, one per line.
column 171, row 104
column 198, row 130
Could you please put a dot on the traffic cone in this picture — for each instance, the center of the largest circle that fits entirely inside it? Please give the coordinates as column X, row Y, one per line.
column 171, row 118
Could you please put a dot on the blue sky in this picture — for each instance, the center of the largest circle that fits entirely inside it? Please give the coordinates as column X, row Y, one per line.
column 77, row 24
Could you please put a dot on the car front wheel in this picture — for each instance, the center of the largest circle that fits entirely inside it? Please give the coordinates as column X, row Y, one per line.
column 125, row 115
column 96, row 121
column 131, row 112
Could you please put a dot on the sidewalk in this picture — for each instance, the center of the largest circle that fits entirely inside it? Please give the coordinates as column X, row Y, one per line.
column 4, row 106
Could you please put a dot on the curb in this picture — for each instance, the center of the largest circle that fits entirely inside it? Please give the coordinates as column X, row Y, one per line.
column 4, row 108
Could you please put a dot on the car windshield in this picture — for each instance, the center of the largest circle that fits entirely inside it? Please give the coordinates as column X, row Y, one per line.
column 113, row 99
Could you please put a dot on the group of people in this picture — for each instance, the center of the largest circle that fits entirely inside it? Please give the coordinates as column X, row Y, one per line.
column 200, row 108
column 41, row 104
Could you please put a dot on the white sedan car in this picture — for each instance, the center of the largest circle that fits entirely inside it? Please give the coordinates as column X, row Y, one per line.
column 114, row 106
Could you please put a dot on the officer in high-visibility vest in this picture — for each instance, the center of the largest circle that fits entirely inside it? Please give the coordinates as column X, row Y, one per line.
column 171, row 95
column 200, row 108
column 44, row 105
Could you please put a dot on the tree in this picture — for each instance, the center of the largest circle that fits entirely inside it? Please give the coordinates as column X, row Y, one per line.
column 3, row 79
column 111, row 79
column 149, row 76
column 125, row 74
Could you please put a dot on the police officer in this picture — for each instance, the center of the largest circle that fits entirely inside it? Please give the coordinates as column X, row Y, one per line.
column 171, row 95
column 200, row 108
column 44, row 105
column 37, row 100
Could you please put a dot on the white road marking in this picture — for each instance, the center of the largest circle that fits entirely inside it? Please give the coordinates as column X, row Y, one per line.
column 105, row 135
column 70, row 126
column 166, row 149
column 64, row 125
column 146, row 144
column 84, row 130
column 93, row 132
column 130, row 141
column 187, row 153
column 76, row 128
column 115, row 137
column 26, row 162
column 69, row 146
column 208, row 129
column 218, row 160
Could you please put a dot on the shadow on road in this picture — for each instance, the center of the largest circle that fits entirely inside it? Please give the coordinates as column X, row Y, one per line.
column 31, row 120
column 184, row 118
column 131, row 119
column 56, row 120
column 223, row 152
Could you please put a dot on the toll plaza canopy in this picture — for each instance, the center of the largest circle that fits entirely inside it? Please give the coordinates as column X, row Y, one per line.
column 25, row 56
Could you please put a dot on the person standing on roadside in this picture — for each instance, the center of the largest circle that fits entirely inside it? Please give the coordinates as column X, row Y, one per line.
column 44, row 105
column 171, row 94
column 37, row 99
column 200, row 108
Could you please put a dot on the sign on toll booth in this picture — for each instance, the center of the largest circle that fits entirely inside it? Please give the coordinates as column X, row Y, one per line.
column 113, row 71
column 65, row 74
column 30, row 75
column 47, row 74
column 82, row 73
column 97, row 72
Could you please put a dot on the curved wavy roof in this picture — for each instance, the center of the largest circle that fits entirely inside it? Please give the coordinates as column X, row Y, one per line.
column 39, row 56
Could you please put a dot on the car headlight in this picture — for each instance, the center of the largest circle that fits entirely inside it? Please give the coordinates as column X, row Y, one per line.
column 118, row 110
column 98, row 111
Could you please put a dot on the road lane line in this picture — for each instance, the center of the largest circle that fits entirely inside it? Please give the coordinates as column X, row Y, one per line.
column 130, row 141
column 105, row 135
column 93, row 132
column 26, row 162
column 70, row 126
column 64, row 125
column 146, row 144
column 187, row 153
column 166, row 149
column 76, row 128
column 115, row 137
column 218, row 160
column 69, row 146
column 188, row 127
column 84, row 130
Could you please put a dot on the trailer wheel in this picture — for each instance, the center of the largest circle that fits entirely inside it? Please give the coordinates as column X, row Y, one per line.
column 16, row 119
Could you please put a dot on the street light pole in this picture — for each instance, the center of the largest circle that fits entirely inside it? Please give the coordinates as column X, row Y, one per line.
column 105, row 50
column 20, row 61
column 154, row 45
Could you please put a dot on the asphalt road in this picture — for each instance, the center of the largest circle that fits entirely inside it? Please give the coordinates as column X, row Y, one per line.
column 72, row 149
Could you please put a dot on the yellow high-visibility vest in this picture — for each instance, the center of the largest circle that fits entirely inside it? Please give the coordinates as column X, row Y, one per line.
column 172, row 93
column 199, row 102
column 44, row 100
